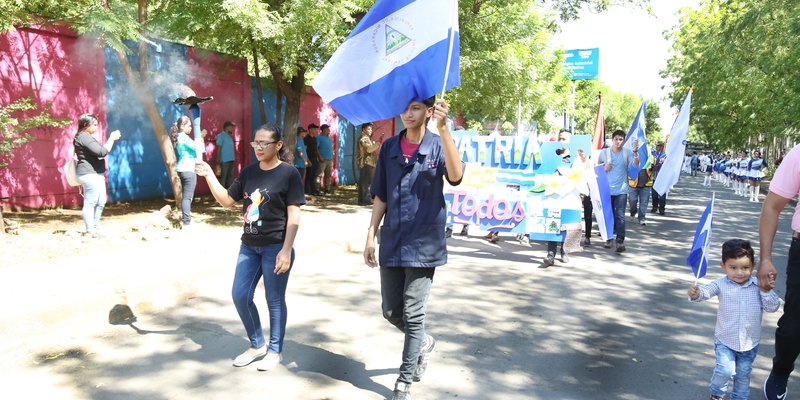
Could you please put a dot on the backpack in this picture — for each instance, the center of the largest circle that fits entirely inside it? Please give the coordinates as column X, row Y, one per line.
column 71, row 172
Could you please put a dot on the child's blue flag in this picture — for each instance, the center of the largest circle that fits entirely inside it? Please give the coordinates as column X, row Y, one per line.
column 698, row 256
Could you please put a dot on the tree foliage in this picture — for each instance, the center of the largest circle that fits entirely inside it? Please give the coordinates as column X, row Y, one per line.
column 17, row 119
column 570, row 9
column 505, row 49
column 741, row 58
column 506, row 60
column 619, row 109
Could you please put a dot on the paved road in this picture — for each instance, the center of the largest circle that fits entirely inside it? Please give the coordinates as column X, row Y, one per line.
column 604, row 326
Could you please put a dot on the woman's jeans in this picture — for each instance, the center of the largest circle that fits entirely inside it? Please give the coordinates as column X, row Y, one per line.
column 94, row 200
column 736, row 364
column 404, row 293
column 188, row 182
column 253, row 263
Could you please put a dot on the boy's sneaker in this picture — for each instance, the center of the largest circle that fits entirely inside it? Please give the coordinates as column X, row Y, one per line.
column 465, row 230
column 716, row 397
column 564, row 257
column 775, row 387
column 620, row 247
column 587, row 242
column 424, row 356
column 548, row 261
column 608, row 244
column 448, row 232
column 402, row 391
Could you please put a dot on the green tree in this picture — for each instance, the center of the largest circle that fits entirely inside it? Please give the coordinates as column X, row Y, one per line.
column 619, row 110
column 741, row 58
column 16, row 121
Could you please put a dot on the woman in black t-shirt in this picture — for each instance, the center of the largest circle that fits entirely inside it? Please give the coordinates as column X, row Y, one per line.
column 271, row 192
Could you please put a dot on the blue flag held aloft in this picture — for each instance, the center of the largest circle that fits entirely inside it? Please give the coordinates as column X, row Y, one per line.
column 698, row 256
column 636, row 136
column 402, row 50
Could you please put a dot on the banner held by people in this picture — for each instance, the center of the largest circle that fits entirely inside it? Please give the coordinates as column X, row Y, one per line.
column 698, row 256
column 675, row 149
column 402, row 50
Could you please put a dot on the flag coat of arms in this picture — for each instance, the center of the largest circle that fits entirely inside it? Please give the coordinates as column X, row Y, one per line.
column 402, row 50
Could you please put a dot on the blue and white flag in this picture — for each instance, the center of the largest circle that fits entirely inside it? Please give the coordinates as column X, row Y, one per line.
column 402, row 50
column 637, row 134
column 698, row 256
column 600, row 193
column 676, row 149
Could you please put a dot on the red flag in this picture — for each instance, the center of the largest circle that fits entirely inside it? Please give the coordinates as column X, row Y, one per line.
column 599, row 126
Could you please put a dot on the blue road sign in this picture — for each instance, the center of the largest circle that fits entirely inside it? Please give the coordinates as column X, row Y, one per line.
column 582, row 64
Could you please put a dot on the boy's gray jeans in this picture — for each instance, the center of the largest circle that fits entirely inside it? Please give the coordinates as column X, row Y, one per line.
column 404, row 293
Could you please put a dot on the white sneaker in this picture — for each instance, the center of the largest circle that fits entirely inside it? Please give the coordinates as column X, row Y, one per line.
column 249, row 356
column 269, row 362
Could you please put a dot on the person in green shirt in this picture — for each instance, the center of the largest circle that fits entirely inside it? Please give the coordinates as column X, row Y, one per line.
column 186, row 151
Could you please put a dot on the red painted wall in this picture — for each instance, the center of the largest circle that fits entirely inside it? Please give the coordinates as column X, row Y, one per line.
column 33, row 62
column 225, row 78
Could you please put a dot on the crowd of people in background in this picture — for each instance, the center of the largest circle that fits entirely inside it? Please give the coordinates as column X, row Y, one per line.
column 272, row 191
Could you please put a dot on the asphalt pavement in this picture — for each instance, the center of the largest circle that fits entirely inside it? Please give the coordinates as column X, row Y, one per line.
column 603, row 326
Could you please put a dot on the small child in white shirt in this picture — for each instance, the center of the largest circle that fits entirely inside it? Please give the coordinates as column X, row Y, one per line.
column 738, row 330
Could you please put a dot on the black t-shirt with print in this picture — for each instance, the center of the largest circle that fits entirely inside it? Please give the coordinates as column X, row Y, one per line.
column 266, row 196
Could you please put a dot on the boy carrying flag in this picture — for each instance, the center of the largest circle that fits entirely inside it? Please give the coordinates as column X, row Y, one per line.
column 738, row 330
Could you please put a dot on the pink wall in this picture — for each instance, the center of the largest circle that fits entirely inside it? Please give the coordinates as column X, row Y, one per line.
column 225, row 78
column 314, row 110
column 32, row 63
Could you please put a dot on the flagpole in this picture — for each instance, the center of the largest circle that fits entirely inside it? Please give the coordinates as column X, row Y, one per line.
column 453, row 12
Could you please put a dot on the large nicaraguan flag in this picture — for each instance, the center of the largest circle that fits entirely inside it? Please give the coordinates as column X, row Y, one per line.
column 676, row 148
column 636, row 136
column 698, row 256
column 600, row 192
column 402, row 50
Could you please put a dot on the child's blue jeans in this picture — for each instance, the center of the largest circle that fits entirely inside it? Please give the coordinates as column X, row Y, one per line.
column 736, row 364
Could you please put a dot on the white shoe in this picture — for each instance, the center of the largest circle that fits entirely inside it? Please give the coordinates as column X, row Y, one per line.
column 249, row 356
column 269, row 362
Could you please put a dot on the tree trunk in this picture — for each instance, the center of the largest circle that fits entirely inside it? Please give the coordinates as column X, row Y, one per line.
column 259, row 87
column 293, row 91
column 141, row 87
column 142, row 90
column 278, row 106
